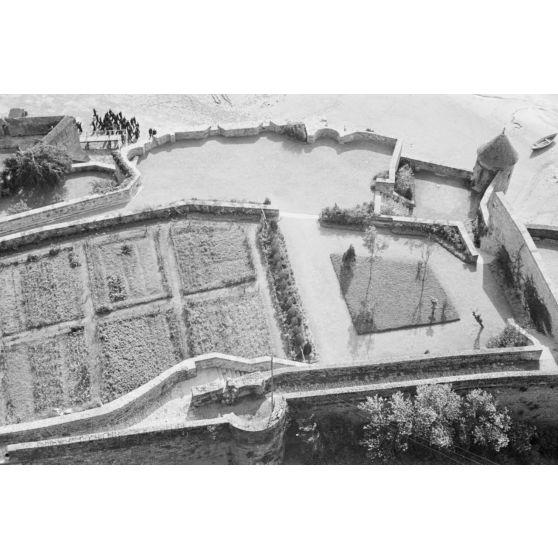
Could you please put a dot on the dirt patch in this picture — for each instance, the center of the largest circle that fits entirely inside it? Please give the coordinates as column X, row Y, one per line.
column 231, row 321
column 211, row 255
column 135, row 350
column 391, row 294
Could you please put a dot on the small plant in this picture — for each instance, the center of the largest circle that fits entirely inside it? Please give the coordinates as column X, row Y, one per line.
column 103, row 186
column 32, row 258
column 405, row 182
column 54, row 252
column 116, row 288
column 267, row 201
column 73, row 259
column 126, row 249
column 509, row 337
column 349, row 256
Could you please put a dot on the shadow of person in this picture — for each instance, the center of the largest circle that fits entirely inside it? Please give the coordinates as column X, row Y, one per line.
column 476, row 344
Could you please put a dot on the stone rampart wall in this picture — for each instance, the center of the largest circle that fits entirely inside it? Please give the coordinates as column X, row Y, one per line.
column 436, row 168
column 133, row 402
column 506, row 230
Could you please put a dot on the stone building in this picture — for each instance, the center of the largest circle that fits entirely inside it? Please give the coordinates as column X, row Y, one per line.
column 492, row 157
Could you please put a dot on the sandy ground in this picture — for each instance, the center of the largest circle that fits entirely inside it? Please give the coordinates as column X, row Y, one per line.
column 444, row 128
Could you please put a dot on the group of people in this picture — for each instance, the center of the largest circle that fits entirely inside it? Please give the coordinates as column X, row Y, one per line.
column 152, row 133
column 116, row 123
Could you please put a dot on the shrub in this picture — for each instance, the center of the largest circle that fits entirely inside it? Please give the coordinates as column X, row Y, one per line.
column 509, row 337
column 73, row 259
column 126, row 249
column 353, row 216
column 39, row 168
column 54, row 252
column 349, row 256
column 103, row 186
column 405, row 182
column 18, row 207
column 267, row 201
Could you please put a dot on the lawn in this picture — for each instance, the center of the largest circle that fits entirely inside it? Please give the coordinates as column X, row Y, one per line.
column 44, row 289
column 395, row 295
column 37, row 377
column 211, row 255
column 126, row 270
column 233, row 323
column 136, row 349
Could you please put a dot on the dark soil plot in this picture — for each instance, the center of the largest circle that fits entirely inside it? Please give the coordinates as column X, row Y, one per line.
column 41, row 291
column 136, row 349
column 211, row 255
column 394, row 296
column 38, row 377
column 235, row 324
column 125, row 270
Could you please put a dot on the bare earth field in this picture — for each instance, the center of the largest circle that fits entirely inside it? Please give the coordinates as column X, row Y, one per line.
column 95, row 316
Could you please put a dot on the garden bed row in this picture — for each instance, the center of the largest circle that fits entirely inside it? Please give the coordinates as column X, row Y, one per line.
column 286, row 299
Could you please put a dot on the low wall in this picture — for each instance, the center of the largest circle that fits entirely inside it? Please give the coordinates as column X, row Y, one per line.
column 506, row 230
column 436, row 168
column 248, row 211
column 226, row 440
column 543, row 231
column 391, row 369
column 126, row 406
column 419, row 226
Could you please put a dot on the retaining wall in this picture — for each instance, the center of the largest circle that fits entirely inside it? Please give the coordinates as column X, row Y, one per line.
column 226, row 440
column 436, row 168
column 506, row 230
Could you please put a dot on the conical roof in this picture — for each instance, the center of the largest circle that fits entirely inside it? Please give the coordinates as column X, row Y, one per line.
column 498, row 153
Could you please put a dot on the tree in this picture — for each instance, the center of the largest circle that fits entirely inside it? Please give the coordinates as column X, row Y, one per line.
column 440, row 418
column 38, row 168
column 374, row 246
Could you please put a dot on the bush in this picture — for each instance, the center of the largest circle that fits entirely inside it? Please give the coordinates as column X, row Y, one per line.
column 18, row 207
column 39, row 168
column 353, row 216
column 405, row 182
column 126, row 249
column 267, row 201
column 103, row 186
column 349, row 256
column 509, row 337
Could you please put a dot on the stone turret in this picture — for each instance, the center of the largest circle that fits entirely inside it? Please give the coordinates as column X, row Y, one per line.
column 496, row 156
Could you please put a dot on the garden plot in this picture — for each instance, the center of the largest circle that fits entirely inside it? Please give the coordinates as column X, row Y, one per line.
column 392, row 294
column 38, row 377
column 126, row 269
column 211, row 255
column 135, row 349
column 233, row 322
column 42, row 290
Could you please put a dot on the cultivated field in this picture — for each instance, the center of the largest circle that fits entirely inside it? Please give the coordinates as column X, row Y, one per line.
column 391, row 294
column 211, row 255
column 136, row 349
column 95, row 316
column 37, row 377
column 233, row 322
column 126, row 269
column 40, row 290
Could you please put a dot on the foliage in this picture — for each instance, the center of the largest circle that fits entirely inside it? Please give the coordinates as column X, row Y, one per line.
column 18, row 207
column 349, row 256
column 284, row 292
column 510, row 336
column 354, row 216
column 103, row 185
column 437, row 417
column 405, row 182
column 41, row 167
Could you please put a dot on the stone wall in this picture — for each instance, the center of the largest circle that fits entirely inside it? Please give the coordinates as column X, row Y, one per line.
column 65, row 135
column 504, row 229
column 226, row 440
column 436, row 168
column 132, row 403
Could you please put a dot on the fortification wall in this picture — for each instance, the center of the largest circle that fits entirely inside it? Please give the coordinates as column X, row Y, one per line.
column 438, row 169
column 226, row 440
column 506, row 230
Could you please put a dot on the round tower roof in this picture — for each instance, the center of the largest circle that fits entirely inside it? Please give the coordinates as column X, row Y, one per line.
column 498, row 153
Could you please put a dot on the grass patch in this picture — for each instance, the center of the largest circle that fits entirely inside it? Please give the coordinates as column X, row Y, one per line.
column 211, row 255
column 125, row 270
column 36, row 378
column 43, row 290
column 234, row 323
column 394, row 296
column 135, row 350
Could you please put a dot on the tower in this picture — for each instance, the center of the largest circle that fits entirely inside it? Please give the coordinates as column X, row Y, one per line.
column 498, row 155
